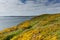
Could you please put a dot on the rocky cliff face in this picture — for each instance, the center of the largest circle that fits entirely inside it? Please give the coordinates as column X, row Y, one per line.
column 43, row 27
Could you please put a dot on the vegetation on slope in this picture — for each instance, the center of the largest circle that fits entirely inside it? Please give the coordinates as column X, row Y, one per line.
column 43, row 27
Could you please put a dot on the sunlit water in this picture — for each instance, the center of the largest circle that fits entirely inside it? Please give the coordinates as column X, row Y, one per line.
column 6, row 22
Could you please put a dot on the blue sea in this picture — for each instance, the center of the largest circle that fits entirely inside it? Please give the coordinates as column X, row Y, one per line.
column 9, row 21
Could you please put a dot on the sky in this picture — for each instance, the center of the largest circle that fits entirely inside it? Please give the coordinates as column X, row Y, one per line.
column 28, row 7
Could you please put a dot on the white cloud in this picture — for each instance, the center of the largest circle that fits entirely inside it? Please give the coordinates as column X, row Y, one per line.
column 16, row 8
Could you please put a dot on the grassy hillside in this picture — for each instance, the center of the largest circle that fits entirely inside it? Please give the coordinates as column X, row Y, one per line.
column 43, row 27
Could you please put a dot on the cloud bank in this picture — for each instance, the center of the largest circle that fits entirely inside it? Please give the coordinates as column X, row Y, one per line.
column 30, row 8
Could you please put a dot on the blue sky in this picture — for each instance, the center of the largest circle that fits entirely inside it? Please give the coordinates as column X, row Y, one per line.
column 30, row 8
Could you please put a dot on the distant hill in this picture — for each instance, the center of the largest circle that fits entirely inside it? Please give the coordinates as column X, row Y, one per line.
column 43, row 27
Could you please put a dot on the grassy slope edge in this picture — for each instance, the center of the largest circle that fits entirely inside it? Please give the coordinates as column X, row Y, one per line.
column 43, row 27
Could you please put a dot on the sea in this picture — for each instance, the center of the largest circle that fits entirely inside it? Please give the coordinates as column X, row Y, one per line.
column 9, row 21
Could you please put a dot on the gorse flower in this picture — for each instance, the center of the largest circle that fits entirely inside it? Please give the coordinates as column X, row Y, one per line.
column 43, row 27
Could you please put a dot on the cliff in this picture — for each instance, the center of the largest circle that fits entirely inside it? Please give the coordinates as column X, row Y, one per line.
column 43, row 27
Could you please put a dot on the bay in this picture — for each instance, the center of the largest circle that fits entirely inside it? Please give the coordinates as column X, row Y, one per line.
column 9, row 21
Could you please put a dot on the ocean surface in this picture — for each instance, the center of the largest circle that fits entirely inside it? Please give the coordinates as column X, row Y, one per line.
column 6, row 21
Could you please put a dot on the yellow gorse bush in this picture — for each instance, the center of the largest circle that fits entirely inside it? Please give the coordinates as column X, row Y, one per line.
column 43, row 27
